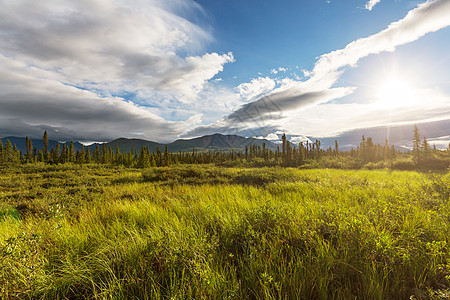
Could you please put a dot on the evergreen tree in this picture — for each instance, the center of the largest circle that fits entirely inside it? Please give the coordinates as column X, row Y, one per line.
column 64, row 158
column 57, row 156
column 159, row 156
column 104, row 158
column 29, row 148
column 45, row 142
column 8, row 152
column 362, row 149
column 369, row 150
column 301, row 154
column 426, row 147
column 87, row 156
column 416, row 145
column 386, row 149
column 283, row 146
column 317, row 146
column 71, row 152
column 336, row 147
column 96, row 154
column 166, row 156
column 1, row 151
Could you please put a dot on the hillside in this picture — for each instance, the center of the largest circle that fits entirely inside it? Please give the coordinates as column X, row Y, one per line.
column 37, row 143
column 215, row 142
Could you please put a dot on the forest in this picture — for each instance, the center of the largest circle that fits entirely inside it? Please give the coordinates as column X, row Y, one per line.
column 306, row 155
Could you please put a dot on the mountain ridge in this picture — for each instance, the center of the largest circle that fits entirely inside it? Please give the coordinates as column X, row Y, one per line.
column 213, row 142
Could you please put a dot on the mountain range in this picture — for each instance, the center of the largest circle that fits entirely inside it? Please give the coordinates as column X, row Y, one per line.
column 215, row 142
column 437, row 133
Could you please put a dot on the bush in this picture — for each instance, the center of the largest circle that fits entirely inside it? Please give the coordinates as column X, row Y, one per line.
column 403, row 164
column 185, row 175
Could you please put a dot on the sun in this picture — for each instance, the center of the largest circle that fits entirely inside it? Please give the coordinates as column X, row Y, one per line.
column 394, row 93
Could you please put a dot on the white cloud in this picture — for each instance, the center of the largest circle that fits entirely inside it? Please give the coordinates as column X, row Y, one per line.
column 190, row 79
column 371, row 4
column 272, row 137
column 276, row 71
column 256, row 87
column 299, row 139
column 111, row 44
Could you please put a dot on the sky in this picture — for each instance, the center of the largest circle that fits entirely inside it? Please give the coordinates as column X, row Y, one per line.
column 96, row 70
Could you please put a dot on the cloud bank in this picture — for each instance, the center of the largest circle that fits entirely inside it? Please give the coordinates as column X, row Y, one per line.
column 87, row 53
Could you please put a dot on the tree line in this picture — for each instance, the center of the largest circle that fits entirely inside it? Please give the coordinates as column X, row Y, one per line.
column 304, row 154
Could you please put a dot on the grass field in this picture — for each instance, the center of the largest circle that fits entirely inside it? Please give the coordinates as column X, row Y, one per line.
column 202, row 232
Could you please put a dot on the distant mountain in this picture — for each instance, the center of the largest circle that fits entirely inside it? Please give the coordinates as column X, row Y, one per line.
column 126, row 145
column 400, row 136
column 215, row 142
column 437, row 133
column 36, row 143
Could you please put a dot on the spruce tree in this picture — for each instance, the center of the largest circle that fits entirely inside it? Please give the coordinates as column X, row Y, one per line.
column 45, row 142
column 1, row 151
column 71, row 152
column 87, row 156
column 426, row 147
column 57, row 153
column 8, row 152
column 104, row 158
column 416, row 145
column 336, row 147
column 97, row 154
column 29, row 148
column 166, row 156
column 283, row 146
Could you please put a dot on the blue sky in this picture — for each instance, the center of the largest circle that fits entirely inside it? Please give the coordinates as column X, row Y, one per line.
column 263, row 36
column 95, row 70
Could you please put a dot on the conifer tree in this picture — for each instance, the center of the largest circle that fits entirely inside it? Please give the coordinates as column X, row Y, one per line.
column 283, row 146
column 166, row 156
column 45, row 142
column 317, row 145
column 1, row 151
column 57, row 153
column 29, row 148
column 336, row 147
column 104, row 158
column 362, row 148
column 71, row 152
column 426, row 147
column 87, row 156
column 386, row 149
column 8, row 152
column 159, row 156
column 96, row 154
column 301, row 154
column 416, row 145
column 64, row 153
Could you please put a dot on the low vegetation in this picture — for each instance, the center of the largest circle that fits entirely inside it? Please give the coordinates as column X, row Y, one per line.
column 203, row 232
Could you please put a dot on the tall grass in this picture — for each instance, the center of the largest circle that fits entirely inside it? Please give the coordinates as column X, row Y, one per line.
column 203, row 232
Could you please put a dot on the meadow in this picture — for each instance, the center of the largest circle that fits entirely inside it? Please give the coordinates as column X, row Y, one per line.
column 203, row 232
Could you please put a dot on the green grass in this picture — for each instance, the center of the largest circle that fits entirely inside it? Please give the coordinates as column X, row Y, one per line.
column 202, row 232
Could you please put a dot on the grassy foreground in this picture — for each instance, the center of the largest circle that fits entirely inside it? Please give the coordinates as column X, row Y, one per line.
column 200, row 232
